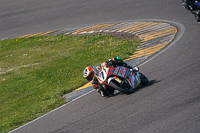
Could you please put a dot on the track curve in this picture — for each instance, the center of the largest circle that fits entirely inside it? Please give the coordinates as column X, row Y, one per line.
column 171, row 103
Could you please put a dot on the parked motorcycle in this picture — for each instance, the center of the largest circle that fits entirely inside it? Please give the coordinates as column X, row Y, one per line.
column 193, row 6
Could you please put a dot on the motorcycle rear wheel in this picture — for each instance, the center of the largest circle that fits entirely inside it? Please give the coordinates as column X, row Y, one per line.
column 117, row 86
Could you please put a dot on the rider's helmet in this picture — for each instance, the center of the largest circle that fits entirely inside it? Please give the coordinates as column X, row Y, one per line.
column 118, row 58
column 88, row 73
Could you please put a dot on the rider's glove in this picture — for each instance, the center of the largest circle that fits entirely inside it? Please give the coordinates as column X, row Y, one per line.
column 95, row 86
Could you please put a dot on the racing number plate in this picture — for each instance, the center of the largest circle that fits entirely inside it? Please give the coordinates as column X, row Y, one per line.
column 102, row 75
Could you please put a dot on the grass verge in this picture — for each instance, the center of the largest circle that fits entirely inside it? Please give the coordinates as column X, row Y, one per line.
column 36, row 72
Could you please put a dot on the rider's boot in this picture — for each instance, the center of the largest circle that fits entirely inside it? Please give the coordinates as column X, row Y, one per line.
column 101, row 90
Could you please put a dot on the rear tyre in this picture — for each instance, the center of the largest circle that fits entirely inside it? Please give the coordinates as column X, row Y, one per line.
column 118, row 87
column 144, row 79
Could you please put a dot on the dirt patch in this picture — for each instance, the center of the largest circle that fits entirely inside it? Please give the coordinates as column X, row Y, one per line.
column 2, row 71
column 124, row 35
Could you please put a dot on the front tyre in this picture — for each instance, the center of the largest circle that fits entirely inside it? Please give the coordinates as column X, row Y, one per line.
column 144, row 79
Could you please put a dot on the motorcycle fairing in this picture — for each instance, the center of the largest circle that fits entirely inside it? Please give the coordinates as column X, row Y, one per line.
column 121, row 71
column 134, row 79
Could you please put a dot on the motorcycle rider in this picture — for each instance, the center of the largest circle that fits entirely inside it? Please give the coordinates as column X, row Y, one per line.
column 190, row 5
column 105, row 90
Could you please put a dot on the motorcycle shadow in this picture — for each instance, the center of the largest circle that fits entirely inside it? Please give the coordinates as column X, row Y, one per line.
column 151, row 82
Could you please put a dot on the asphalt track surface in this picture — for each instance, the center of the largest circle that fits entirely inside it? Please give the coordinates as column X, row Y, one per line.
column 170, row 103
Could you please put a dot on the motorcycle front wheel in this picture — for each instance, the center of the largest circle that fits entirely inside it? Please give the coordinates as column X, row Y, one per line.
column 144, row 79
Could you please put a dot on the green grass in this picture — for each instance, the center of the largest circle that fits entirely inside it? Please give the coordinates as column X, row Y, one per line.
column 36, row 72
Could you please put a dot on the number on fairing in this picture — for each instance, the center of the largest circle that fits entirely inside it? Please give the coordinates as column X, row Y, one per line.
column 102, row 75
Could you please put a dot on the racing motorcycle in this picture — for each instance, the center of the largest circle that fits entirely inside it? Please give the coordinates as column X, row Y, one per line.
column 120, row 78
